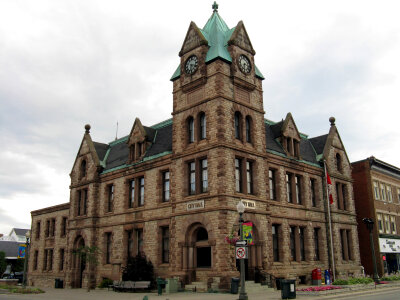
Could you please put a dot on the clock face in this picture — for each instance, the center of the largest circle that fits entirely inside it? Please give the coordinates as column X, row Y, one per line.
column 191, row 64
column 244, row 64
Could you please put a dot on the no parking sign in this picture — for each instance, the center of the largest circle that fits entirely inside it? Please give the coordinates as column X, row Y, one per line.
column 241, row 252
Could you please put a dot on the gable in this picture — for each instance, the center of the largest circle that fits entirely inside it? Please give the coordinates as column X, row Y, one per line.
column 241, row 39
column 138, row 133
column 194, row 38
column 289, row 128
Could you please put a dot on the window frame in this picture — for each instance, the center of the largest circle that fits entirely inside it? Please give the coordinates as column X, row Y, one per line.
column 166, row 185
column 276, row 242
column 165, row 244
column 272, row 184
column 110, row 197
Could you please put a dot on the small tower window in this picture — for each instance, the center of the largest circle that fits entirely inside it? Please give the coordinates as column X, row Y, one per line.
column 190, row 125
column 238, row 125
column 203, row 126
column 338, row 162
column 248, row 129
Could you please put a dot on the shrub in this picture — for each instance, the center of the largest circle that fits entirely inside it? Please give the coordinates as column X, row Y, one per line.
column 105, row 283
column 340, row 282
column 391, row 278
column 360, row 280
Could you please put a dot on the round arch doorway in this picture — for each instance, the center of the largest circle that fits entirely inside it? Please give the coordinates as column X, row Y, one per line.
column 78, row 262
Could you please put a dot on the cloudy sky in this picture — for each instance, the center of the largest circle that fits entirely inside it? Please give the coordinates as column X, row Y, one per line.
column 67, row 63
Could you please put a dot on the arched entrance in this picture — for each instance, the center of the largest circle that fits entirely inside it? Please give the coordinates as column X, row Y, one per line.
column 78, row 263
column 197, row 252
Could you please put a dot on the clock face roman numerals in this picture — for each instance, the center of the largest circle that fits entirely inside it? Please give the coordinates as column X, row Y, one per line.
column 191, row 64
column 244, row 64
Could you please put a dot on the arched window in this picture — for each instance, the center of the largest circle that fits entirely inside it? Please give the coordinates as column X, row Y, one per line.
column 83, row 169
column 338, row 162
column 203, row 249
column 238, row 125
column 202, row 235
column 248, row 129
column 190, row 124
column 203, row 126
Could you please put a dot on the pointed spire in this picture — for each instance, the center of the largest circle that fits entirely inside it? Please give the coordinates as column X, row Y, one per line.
column 215, row 7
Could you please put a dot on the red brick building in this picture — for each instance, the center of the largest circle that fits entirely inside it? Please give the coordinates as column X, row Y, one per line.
column 170, row 190
column 377, row 196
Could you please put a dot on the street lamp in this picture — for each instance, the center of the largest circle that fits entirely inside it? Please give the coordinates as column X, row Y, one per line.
column 27, row 236
column 370, row 226
column 240, row 208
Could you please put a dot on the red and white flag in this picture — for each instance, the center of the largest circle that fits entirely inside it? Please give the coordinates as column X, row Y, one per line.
column 329, row 185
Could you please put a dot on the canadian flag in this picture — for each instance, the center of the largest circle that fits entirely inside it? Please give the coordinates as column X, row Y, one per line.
column 329, row 185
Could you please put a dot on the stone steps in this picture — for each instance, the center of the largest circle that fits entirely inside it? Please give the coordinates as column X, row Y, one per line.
column 196, row 286
column 253, row 287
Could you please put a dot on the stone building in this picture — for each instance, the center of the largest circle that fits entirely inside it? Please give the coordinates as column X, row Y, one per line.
column 377, row 196
column 170, row 190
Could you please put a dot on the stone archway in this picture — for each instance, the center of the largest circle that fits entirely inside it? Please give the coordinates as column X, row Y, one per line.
column 197, row 254
column 78, row 263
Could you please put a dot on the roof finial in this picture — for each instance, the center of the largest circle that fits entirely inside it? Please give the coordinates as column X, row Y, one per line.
column 332, row 120
column 87, row 128
column 215, row 6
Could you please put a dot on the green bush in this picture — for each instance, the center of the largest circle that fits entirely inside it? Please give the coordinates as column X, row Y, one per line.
column 391, row 278
column 340, row 282
column 138, row 269
column 105, row 283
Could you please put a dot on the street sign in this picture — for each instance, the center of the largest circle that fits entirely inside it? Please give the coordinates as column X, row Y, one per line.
column 241, row 252
column 241, row 243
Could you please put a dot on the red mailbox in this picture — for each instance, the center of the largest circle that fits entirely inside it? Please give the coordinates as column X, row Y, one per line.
column 316, row 276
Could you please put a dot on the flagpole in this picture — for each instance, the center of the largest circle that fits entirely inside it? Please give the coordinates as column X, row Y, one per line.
column 330, row 221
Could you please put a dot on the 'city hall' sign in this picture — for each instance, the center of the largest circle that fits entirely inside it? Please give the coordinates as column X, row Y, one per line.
column 249, row 204
column 389, row 245
column 195, row 205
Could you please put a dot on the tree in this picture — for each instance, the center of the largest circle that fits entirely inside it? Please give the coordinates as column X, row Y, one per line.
column 138, row 268
column 3, row 263
column 89, row 255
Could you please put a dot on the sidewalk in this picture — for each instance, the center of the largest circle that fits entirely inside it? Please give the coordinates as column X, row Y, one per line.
column 104, row 294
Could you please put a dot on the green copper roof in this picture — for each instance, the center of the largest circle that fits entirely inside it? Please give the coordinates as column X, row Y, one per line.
column 217, row 34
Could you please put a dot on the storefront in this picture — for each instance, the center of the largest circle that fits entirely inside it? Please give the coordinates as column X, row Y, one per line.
column 390, row 254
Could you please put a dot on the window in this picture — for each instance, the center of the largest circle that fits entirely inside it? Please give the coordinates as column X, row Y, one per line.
column 312, row 192
column 292, row 243
column 398, row 195
column 383, row 192
column 110, row 197
column 190, row 126
column 108, row 247
column 47, row 231
column 198, row 176
column 238, row 174
column 50, row 227
column 192, row 178
column 64, row 226
column 139, row 239
column 345, row 237
column 53, row 227
column 389, row 193
column 203, row 126
column 141, row 192
column 393, row 224
column 130, row 243
column 165, row 244
column 131, row 193
column 380, row 223
column 341, row 196
column 248, row 187
column 238, row 125
column 50, row 263
column 275, row 241
column 46, row 252
column 35, row 260
column 204, row 175
column 272, row 184
column 338, row 162
column 376, row 190
column 289, row 187
column 387, row 224
column 293, row 188
column 82, row 170
column 61, row 266
column 165, row 179
column 38, row 230
column 248, row 129
column 82, row 202
column 296, row 146
column 316, row 244
column 301, row 241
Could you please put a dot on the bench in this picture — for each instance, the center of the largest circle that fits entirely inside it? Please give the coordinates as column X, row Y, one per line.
column 123, row 286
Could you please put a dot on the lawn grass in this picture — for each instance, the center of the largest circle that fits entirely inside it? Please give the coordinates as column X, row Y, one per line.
column 21, row 290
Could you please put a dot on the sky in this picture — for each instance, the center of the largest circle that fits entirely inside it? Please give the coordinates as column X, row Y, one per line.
column 64, row 64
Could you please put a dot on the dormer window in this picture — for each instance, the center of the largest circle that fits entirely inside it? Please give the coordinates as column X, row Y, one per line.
column 132, row 152
column 83, row 168
column 292, row 147
column 338, row 162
